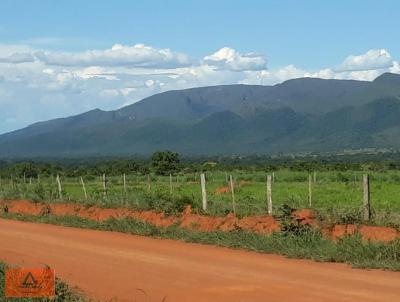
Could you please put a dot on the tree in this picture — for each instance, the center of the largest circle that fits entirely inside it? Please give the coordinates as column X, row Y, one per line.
column 165, row 162
column 26, row 169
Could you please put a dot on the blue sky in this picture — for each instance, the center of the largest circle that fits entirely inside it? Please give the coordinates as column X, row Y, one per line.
column 59, row 58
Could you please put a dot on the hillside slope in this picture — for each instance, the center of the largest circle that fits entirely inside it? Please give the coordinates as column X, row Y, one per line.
column 298, row 115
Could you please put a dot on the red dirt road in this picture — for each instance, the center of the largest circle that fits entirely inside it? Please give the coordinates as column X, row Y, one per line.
column 106, row 265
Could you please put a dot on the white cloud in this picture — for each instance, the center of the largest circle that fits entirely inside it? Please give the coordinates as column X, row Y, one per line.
column 228, row 58
column 138, row 55
column 362, row 75
column 274, row 76
column 9, row 49
column 149, row 83
column 96, row 72
column 395, row 68
column 287, row 72
column 372, row 59
column 18, row 57
column 326, row 73
column 109, row 93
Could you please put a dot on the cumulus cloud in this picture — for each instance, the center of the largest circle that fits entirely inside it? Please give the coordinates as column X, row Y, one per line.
column 229, row 58
column 372, row 59
column 18, row 57
column 395, row 68
column 96, row 72
column 138, row 55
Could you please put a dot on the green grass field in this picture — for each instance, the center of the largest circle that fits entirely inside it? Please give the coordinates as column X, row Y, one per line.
column 334, row 194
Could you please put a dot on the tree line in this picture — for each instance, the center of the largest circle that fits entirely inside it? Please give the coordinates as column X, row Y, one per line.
column 168, row 162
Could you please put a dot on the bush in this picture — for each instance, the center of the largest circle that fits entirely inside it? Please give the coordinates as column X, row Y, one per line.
column 290, row 226
column 165, row 162
column 169, row 204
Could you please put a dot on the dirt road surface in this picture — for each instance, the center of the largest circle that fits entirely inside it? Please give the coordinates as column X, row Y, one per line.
column 109, row 265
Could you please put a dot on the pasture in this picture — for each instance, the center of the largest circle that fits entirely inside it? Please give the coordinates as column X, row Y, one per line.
column 335, row 195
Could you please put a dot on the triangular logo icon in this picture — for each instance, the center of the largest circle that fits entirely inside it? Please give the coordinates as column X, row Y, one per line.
column 29, row 281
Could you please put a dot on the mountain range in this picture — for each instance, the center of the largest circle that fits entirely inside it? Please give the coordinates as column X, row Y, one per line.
column 305, row 114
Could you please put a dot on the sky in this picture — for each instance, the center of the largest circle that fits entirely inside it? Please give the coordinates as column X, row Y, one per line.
column 60, row 58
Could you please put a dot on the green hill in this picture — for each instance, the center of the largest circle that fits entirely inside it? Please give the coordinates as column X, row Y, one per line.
column 304, row 114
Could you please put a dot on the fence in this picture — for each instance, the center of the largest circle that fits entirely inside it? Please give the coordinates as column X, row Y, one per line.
column 201, row 188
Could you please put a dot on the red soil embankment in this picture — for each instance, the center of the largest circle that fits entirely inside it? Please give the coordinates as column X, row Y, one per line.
column 369, row 233
column 372, row 233
column 305, row 217
column 259, row 224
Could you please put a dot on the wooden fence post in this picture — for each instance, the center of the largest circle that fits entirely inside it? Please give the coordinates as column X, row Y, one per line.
column 367, row 201
column 59, row 186
column 315, row 177
column 309, row 190
column 273, row 177
column 104, row 185
column 203, row 191
column 148, row 183
column 233, row 195
column 124, row 183
column 83, row 187
column 269, row 194
column 170, row 184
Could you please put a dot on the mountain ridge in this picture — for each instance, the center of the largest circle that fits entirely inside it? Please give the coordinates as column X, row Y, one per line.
column 227, row 119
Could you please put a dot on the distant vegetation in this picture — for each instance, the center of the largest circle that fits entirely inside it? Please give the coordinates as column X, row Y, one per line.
column 167, row 162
